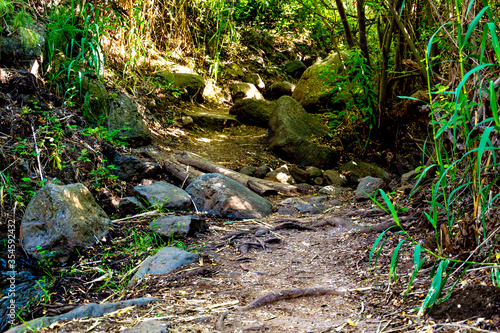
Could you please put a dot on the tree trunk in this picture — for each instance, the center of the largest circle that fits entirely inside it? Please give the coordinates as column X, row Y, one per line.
column 345, row 23
column 363, row 44
column 385, row 46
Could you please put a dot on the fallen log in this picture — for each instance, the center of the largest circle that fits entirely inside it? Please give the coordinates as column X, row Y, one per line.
column 209, row 166
column 181, row 171
column 261, row 188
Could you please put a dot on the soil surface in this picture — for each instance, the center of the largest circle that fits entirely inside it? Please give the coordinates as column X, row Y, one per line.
column 276, row 274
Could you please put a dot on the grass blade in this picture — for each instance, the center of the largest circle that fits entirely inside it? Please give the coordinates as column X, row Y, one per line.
column 394, row 262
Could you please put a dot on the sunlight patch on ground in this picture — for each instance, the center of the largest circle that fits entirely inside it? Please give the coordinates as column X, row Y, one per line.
column 177, row 132
column 203, row 140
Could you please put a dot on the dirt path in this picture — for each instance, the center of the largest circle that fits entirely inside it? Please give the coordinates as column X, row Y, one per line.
column 327, row 257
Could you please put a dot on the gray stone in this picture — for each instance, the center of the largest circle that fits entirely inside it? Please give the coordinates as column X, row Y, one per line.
column 244, row 90
column 300, row 175
column 262, row 171
column 130, row 205
column 221, row 196
column 255, row 80
column 313, row 87
column 305, row 188
column 190, row 85
column 163, row 262
column 187, row 121
column 248, row 170
column 295, row 68
column 124, row 117
column 128, row 167
column 292, row 202
column 178, row 226
column 314, row 172
column 253, row 112
column 335, row 202
column 22, row 45
column 150, row 326
column 287, row 211
column 291, row 131
column 59, row 220
column 310, row 209
column 357, row 170
column 333, row 177
column 234, row 71
column 281, row 175
column 368, row 186
column 322, row 199
column 279, row 89
column 408, row 178
column 330, row 189
column 213, row 121
column 84, row 311
column 165, row 195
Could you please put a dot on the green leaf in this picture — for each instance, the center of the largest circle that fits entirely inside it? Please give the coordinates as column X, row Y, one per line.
column 472, row 26
column 417, row 265
column 376, row 244
column 493, row 103
column 394, row 262
column 435, row 289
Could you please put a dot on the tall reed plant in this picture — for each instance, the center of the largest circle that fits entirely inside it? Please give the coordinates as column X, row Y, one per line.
column 463, row 154
column 73, row 46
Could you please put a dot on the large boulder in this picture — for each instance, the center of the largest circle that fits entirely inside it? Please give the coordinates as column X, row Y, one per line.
column 253, row 112
column 221, row 196
column 190, row 86
column 163, row 262
column 60, row 219
column 313, row 87
column 21, row 46
column 291, row 134
column 164, row 195
column 244, row 90
column 125, row 118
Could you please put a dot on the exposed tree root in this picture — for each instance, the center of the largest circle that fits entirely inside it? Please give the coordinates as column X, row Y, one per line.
column 290, row 225
column 290, row 294
column 219, row 324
